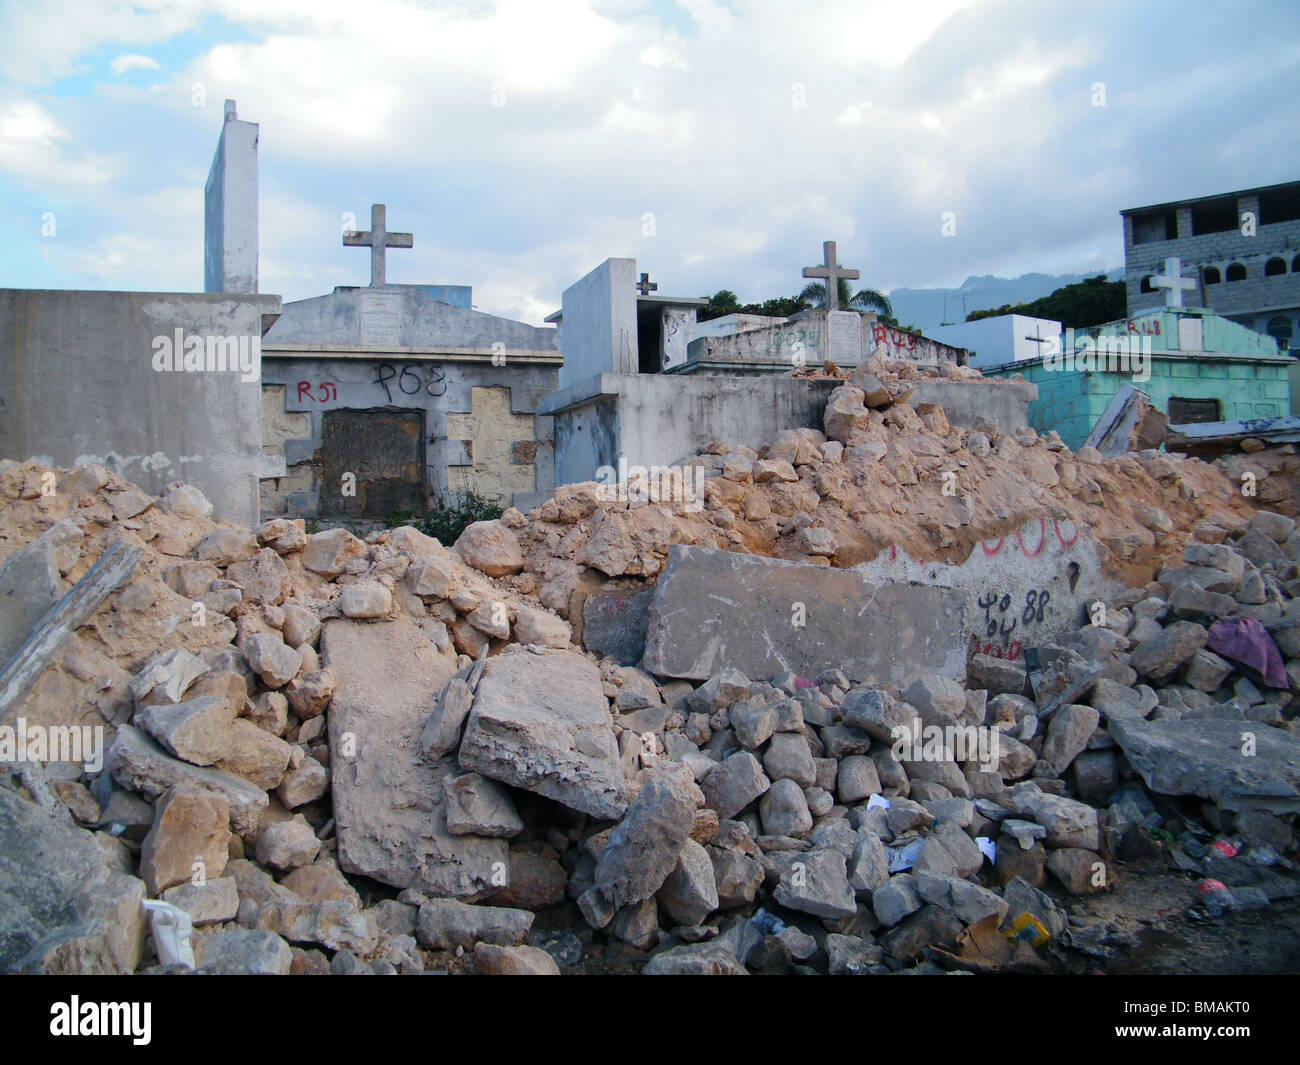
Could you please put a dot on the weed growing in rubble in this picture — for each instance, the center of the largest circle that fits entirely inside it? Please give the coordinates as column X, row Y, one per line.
column 449, row 515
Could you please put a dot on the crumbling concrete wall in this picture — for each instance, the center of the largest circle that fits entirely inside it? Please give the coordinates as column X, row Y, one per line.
column 1004, row 403
column 79, row 386
column 764, row 616
column 1019, row 590
column 662, row 419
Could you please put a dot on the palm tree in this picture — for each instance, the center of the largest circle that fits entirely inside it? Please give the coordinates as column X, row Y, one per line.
column 865, row 299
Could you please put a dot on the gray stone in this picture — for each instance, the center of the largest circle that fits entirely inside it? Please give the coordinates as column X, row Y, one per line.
column 645, row 847
column 857, row 779
column 695, row 959
column 67, row 908
column 851, row 955
column 614, row 626
column 389, row 811
column 895, row 899
column 690, row 893
column 694, row 631
column 540, row 722
column 445, row 924
column 737, row 877
column 441, row 732
column 30, row 585
column 1206, row 671
column 815, row 882
column 365, row 599
column 1161, row 655
column 272, row 659
column 734, row 784
column 754, row 723
column 788, row 756
column 969, row 902
column 877, row 713
column 784, row 810
column 1233, row 764
column 211, row 902
column 1068, row 733
column 480, row 807
column 596, row 909
column 243, row 951
column 938, row 699
column 869, row 867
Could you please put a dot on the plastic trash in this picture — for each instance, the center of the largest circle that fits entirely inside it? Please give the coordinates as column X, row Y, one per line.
column 1215, row 897
column 767, row 923
column 1228, row 847
column 877, row 802
column 987, row 848
column 1027, row 929
column 171, row 927
column 901, row 859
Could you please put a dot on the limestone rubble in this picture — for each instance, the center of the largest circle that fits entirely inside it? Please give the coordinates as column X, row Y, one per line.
column 393, row 755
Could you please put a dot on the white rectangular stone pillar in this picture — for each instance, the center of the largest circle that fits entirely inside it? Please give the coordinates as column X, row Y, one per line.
column 230, row 210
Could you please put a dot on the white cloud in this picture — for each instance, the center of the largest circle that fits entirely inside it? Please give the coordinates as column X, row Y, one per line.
column 133, row 61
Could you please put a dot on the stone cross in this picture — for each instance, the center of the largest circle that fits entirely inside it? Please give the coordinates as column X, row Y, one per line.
column 377, row 239
column 1174, row 281
column 832, row 272
column 645, row 286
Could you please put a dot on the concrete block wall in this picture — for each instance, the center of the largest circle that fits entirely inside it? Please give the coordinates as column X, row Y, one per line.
column 78, row 385
column 482, row 430
column 1281, row 292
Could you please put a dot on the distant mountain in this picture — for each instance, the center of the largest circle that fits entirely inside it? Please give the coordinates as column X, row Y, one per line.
column 927, row 308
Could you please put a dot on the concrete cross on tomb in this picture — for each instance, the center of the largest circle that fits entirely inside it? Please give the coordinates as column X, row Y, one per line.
column 1174, row 282
column 378, row 239
column 831, row 271
column 645, row 286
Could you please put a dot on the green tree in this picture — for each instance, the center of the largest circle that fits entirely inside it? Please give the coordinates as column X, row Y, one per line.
column 1092, row 301
column 865, row 299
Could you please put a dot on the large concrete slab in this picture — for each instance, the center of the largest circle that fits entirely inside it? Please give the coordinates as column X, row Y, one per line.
column 389, row 808
column 540, row 722
column 1235, row 764
column 713, row 609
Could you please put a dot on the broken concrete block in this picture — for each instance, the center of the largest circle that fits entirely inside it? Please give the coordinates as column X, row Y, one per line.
column 388, row 810
column 540, row 722
column 885, row 635
column 189, row 840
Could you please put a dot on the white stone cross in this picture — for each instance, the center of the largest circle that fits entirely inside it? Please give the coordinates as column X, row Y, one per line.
column 1174, row 281
column 377, row 239
column 645, row 286
column 832, row 272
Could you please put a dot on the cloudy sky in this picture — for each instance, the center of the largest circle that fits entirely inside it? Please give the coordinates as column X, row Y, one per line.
column 718, row 143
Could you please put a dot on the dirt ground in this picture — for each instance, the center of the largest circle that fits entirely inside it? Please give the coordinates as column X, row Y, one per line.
column 1150, row 903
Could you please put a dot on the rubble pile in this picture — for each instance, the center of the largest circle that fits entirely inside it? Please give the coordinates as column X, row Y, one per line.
column 331, row 754
column 881, row 475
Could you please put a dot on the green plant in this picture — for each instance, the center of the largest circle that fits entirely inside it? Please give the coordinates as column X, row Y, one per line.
column 394, row 518
column 449, row 515
column 311, row 526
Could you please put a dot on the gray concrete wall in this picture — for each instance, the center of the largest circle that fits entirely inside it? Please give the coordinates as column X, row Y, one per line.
column 846, row 338
column 399, row 317
column 78, row 385
column 599, row 326
column 1005, row 403
column 652, row 419
column 1018, row 590
column 230, row 209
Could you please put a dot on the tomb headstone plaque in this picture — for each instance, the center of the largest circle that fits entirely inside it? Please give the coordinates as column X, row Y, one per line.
column 383, row 450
